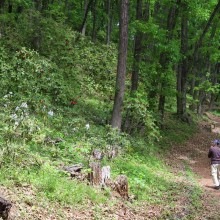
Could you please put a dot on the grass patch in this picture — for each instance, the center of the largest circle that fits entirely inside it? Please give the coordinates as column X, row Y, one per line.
column 52, row 183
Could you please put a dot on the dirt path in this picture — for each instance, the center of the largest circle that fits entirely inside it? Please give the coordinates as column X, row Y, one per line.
column 194, row 152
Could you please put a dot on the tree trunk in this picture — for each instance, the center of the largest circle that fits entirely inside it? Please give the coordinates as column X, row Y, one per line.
column 86, row 11
column 116, row 119
column 214, row 82
column 108, row 29
column 183, row 65
column 2, row 5
column 137, row 58
column 38, row 5
column 10, row 7
column 164, row 57
column 45, row 4
column 94, row 29
column 212, row 16
column 137, row 50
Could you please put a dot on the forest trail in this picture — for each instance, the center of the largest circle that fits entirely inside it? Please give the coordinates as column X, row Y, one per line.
column 194, row 152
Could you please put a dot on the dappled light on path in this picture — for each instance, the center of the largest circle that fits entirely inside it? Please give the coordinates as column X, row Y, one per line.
column 194, row 153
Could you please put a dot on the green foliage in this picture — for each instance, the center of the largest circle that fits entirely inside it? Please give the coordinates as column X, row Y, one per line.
column 141, row 116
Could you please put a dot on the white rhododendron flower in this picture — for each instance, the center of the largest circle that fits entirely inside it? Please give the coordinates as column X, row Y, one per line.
column 24, row 105
column 87, row 126
column 16, row 123
column 50, row 113
column 14, row 116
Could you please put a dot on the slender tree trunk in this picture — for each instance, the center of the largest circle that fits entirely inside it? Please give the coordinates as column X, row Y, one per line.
column 36, row 40
column 183, row 65
column 108, row 29
column 94, row 29
column 198, row 44
column 2, row 5
column 10, row 7
column 45, row 4
column 38, row 5
column 121, row 68
column 86, row 11
column 136, row 63
column 137, row 50
column 164, row 57
column 212, row 16
column 196, row 65
column 214, row 82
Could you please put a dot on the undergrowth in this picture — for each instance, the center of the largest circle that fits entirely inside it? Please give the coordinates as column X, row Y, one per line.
column 65, row 94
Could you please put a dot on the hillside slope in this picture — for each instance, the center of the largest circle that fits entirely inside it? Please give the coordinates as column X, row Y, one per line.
column 188, row 161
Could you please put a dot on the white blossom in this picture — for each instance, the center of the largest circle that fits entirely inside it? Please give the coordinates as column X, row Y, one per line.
column 17, row 108
column 24, row 105
column 50, row 113
column 14, row 116
column 10, row 93
column 16, row 123
column 5, row 96
column 87, row 126
column 5, row 105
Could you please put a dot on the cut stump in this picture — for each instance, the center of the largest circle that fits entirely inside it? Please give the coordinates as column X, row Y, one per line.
column 5, row 207
column 121, row 186
column 106, row 173
column 95, row 176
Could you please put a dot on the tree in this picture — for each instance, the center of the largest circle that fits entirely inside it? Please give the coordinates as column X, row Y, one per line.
column 116, row 119
column 183, row 65
column 165, row 56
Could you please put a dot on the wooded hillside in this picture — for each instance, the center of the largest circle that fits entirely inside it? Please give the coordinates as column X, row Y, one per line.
column 95, row 92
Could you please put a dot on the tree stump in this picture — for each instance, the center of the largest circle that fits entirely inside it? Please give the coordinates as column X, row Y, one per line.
column 121, row 186
column 97, row 154
column 95, row 176
column 5, row 207
column 105, row 175
column 111, row 151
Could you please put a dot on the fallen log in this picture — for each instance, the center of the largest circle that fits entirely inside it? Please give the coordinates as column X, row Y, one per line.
column 5, row 207
column 76, row 168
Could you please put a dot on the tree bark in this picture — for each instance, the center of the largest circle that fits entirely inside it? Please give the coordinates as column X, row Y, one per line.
column 116, row 119
column 136, row 63
column 86, row 11
column 214, row 82
column 137, row 50
column 164, row 57
column 108, row 29
column 94, row 29
column 2, row 5
column 183, row 65
column 10, row 7
column 95, row 177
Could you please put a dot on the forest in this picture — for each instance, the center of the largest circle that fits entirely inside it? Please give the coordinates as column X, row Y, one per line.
column 108, row 108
